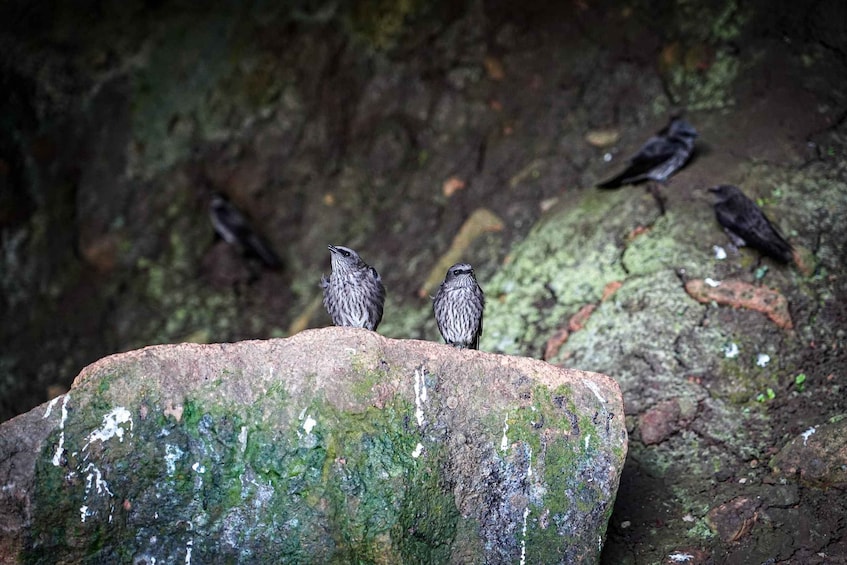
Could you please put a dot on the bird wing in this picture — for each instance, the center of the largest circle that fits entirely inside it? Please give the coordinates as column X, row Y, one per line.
column 742, row 216
column 478, row 333
column 234, row 228
column 729, row 216
column 761, row 234
column 228, row 222
column 653, row 153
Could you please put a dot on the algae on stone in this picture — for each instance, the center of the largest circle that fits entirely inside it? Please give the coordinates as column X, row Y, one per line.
column 565, row 262
column 382, row 454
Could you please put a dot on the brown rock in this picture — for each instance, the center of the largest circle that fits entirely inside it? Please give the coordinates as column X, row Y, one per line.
column 818, row 456
column 560, row 336
column 556, row 341
column 494, row 68
column 297, row 443
column 740, row 294
column 452, row 185
column 659, row 422
column 603, row 137
column 734, row 519
column 610, row 289
column 578, row 320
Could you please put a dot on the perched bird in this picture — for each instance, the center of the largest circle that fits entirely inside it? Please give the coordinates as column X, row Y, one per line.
column 234, row 228
column 660, row 157
column 746, row 224
column 458, row 307
column 353, row 292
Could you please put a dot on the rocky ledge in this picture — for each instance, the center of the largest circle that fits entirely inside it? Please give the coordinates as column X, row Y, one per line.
column 335, row 445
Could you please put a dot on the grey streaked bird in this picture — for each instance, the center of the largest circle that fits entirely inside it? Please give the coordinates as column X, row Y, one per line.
column 746, row 224
column 458, row 307
column 353, row 293
column 234, row 228
column 660, row 157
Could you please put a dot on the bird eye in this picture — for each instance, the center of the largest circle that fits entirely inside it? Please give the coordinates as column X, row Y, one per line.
column 345, row 253
column 457, row 272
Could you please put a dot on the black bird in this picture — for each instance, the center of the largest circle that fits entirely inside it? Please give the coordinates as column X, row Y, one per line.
column 353, row 293
column 746, row 224
column 458, row 307
column 234, row 228
column 660, row 157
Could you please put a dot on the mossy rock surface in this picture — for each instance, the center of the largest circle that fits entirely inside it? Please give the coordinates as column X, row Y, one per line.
column 333, row 446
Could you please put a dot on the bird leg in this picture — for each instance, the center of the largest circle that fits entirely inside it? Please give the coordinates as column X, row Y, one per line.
column 653, row 189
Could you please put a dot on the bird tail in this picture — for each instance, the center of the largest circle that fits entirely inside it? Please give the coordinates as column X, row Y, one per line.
column 614, row 182
column 781, row 250
column 261, row 249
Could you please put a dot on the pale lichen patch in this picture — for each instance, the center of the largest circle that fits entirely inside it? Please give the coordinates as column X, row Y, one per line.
column 60, row 449
column 111, row 427
column 420, row 396
column 504, row 441
column 172, row 454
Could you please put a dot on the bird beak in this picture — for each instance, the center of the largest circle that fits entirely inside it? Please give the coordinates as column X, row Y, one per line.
column 713, row 188
column 332, row 248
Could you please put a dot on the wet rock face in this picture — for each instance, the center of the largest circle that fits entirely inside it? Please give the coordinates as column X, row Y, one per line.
column 335, row 445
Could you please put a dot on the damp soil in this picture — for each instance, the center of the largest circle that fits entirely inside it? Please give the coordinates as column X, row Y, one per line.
column 326, row 124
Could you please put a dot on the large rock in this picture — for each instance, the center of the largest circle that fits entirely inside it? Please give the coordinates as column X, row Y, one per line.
column 817, row 457
column 335, row 445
